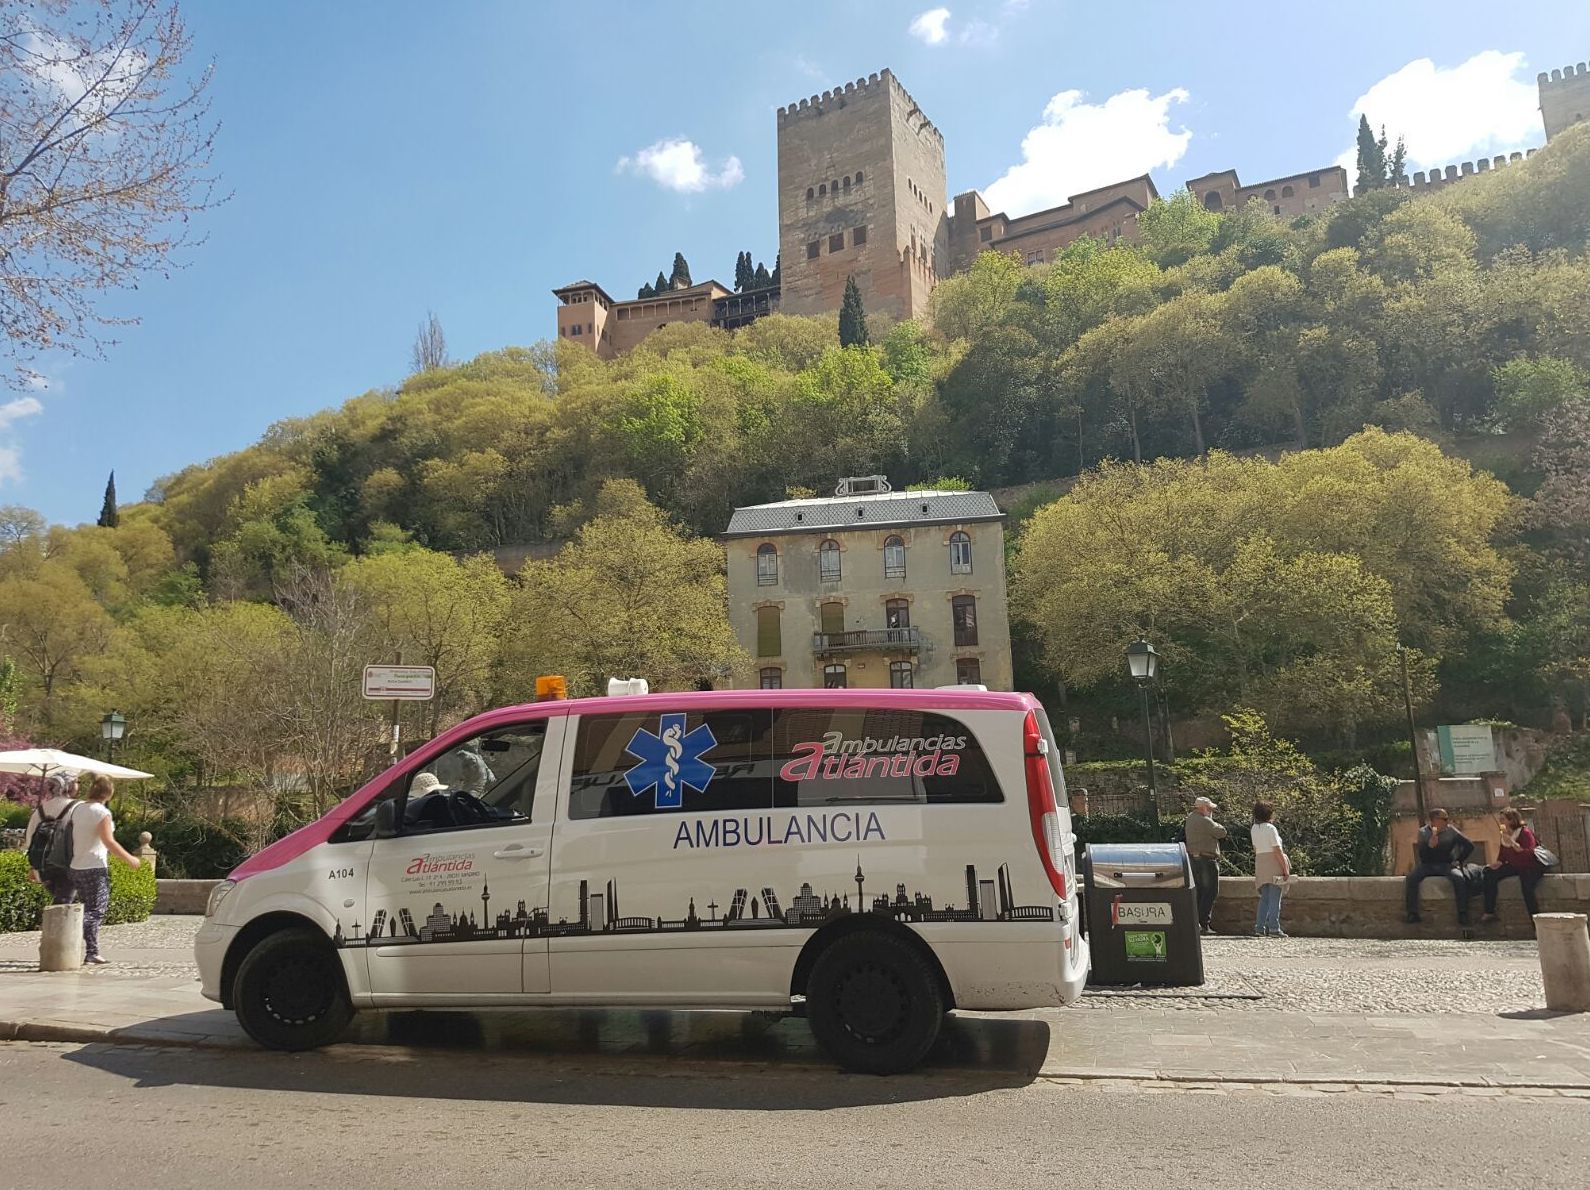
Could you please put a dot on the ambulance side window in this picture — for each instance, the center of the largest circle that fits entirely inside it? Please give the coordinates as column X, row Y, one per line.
column 877, row 756
column 671, row 762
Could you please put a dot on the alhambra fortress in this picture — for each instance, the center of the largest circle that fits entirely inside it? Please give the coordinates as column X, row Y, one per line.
column 861, row 193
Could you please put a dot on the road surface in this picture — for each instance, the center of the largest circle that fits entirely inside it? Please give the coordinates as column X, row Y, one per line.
column 393, row 1118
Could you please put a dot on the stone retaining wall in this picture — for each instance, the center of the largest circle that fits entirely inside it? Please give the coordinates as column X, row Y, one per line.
column 1372, row 907
column 182, row 896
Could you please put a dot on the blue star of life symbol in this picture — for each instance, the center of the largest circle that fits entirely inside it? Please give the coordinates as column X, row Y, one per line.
column 671, row 760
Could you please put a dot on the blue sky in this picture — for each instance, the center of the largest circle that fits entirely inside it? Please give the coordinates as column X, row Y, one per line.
column 389, row 159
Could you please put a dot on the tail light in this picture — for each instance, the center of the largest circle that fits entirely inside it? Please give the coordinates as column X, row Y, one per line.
column 1042, row 807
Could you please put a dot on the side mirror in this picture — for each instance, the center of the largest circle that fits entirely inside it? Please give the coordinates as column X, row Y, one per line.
column 386, row 819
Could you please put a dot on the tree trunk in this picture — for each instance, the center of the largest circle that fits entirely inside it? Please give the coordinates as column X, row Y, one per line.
column 1198, row 426
column 1137, row 446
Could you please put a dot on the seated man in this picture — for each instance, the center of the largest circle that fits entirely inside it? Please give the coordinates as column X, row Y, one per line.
column 1440, row 851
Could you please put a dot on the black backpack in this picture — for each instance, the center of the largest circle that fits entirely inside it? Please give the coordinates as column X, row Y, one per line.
column 51, row 846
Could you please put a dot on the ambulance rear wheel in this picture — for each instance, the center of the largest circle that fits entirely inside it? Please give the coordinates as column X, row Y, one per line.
column 290, row 994
column 874, row 1004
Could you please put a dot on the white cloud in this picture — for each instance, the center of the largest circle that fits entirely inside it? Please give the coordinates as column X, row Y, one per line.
column 678, row 164
column 10, row 456
column 18, row 409
column 929, row 27
column 1484, row 106
column 1083, row 145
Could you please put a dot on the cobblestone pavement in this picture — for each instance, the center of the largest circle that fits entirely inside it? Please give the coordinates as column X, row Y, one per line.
column 1350, row 975
column 1242, row 974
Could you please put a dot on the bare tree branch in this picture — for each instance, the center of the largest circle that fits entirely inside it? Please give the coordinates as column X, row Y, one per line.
column 430, row 346
column 105, row 148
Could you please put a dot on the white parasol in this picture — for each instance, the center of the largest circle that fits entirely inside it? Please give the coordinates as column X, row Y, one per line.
column 41, row 762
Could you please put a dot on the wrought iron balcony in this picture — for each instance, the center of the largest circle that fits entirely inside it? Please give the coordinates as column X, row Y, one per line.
column 907, row 640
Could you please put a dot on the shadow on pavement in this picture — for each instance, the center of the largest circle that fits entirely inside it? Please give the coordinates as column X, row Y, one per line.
column 736, row 1061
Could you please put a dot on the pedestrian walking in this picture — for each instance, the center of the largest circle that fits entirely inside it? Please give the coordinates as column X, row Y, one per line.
column 93, row 843
column 1203, row 834
column 1271, row 870
column 1442, row 850
column 54, row 815
column 1516, row 857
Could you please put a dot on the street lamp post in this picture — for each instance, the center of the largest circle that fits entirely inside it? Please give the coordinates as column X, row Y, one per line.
column 111, row 729
column 1142, row 662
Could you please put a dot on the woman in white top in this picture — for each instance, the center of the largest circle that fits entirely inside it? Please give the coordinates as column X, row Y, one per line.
column 93, row 843
column 1271, row 870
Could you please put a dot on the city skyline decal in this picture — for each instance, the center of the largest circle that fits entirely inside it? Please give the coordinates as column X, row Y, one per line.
column 599, row 913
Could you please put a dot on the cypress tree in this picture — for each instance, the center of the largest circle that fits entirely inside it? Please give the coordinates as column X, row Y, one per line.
column 1371, row 158
column 761, row 279
column 852, row 318
column 742, row 272
column 681, row 273
column 1397, row 166
column 774, row 279
column 660, row 286
column 646, row 291
column 109, row 518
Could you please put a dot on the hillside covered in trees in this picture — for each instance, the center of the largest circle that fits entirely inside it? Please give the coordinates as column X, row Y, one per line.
column 1454, row 325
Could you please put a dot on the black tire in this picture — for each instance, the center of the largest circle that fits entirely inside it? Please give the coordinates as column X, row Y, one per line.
column 289, row 993
column 874, row 1003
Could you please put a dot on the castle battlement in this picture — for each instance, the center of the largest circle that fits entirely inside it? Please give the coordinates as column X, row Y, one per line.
column 1566, row 74
column 1454, row 173
column 817, row 105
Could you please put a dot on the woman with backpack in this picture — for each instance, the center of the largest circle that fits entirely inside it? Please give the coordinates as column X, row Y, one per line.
column 51, row 819
column 93, row 842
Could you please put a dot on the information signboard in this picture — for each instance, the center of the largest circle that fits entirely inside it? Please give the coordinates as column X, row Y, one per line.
column 411, row 683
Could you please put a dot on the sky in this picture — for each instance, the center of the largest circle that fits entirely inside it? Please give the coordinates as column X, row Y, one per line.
column 386, row 160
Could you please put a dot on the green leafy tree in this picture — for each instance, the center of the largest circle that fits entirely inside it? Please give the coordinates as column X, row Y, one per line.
column 852, row 318
column 1175, row 230
column 743, row 272
column 761, row 278
column 109, row 518
column 630, row 596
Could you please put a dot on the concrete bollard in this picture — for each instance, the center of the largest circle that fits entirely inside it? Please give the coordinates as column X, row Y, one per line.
column 61, row 944
column 1564, row 960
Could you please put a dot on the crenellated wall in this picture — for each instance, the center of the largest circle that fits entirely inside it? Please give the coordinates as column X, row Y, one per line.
column 1437, row 178
column 1564, row 97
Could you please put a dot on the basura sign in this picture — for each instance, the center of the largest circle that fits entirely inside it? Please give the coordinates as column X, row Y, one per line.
column 1139, row 913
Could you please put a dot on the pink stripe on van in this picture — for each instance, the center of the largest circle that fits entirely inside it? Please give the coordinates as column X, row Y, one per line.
column 315, row 833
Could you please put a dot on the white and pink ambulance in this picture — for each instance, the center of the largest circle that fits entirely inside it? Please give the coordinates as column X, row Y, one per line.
column 871, row 859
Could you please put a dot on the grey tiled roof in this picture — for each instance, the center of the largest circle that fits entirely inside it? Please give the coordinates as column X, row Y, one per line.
column 862, row 512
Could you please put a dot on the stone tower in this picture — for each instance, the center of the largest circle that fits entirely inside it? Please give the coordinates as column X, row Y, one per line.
column 860, row 193
column 1564, row 97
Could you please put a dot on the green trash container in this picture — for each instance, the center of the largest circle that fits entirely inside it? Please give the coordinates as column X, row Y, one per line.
column 1142, row 915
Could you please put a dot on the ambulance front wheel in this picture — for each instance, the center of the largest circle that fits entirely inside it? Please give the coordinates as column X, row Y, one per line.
column 873, row 1003
column 290, row 993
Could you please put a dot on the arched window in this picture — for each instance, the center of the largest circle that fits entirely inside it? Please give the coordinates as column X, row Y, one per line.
column 828, row 561
column 1286, row 192
column 894, row 557
column 858, row 177
column 960, row 553
column 834, row 185
column 772, row 678
column 834, row 677
column 823, row 189
column 900, row 675
column 846, row 182
column 810, row 194
column 897, row 613
column 1212, row 201
column 1269, row 195
column 769, row 633
column 766, row 565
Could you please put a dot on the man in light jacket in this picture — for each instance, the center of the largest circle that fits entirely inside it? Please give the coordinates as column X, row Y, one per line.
column 1203, row 835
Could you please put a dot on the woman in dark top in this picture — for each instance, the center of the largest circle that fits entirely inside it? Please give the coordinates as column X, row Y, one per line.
column 1516, row 858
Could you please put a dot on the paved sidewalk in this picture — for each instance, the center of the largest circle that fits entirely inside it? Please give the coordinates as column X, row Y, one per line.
column 1436, row 1014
